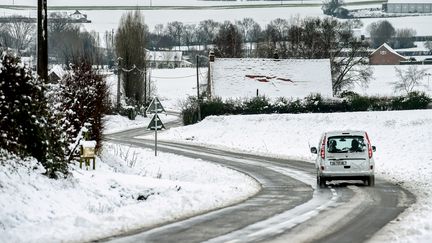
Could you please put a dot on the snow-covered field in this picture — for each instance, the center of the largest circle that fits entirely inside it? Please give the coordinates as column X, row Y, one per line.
column 171, row 86
column 383, row 79
column 100, row 23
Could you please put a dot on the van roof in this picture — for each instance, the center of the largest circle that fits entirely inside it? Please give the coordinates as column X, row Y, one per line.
column 345, row 132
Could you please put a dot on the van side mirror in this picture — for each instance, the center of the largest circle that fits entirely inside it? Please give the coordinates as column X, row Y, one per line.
column 374, row 148
column 314, row 150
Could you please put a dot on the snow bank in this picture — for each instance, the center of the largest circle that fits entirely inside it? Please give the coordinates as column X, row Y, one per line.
column 130, row 188
column 402, row 138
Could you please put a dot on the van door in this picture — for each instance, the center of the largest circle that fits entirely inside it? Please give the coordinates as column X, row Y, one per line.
column 347, row 154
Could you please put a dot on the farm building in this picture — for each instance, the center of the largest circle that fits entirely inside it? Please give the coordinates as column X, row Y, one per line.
column 406, row 6
column 232, row 78
column 385, row 55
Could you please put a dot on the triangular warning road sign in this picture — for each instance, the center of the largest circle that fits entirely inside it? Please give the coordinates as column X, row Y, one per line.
column 155, row 104
column 152, row 124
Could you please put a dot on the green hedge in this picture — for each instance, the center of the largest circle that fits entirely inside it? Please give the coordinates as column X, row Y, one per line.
column 314, row 103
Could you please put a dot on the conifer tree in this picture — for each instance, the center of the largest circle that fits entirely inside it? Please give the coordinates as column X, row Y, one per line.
column 25, row 121
column 83, row 96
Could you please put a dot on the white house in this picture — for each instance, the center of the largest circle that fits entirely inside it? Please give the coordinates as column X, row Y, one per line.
column 166, row 59
column 291, row 78
column 77, row 15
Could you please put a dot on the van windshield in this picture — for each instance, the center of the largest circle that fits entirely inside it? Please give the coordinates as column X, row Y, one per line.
column 345, row 144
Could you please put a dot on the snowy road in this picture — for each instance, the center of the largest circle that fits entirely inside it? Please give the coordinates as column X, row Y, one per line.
column 289, row 206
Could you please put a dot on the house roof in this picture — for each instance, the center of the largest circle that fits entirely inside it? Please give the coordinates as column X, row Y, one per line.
column 58, row 70
column 388, row 48
column 297, row 78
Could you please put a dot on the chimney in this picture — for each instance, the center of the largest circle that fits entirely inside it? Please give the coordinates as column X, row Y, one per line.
column 211, row 56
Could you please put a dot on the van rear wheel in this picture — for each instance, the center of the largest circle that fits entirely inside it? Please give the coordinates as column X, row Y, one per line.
column 321, row 181
column 371, row 180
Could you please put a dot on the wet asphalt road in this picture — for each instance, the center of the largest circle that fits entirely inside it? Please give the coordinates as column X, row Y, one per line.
column 288, row 208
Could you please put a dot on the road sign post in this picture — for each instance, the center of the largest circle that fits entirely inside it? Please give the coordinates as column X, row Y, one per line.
column 156, row 126
column 155, row 107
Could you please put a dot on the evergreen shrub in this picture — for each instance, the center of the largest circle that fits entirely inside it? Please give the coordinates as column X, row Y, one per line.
column 348, row 101
column 414, row 100
column 258, row 105
column 27, row 127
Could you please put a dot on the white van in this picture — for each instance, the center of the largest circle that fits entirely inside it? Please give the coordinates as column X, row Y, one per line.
column 345, row 155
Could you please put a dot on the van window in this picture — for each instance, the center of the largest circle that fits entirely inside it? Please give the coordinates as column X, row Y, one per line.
column 346, row 144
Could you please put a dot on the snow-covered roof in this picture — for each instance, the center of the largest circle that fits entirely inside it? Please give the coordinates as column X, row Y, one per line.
column 409, row 1
column 78, row 15
column 164, row 56
column 297, row 78
column 386, row 46
column 58, row 70
column 88, row 144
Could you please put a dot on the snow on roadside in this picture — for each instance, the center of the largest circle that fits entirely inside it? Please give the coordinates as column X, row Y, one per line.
column 130, row 188
column 402, row 138
column 117, row 123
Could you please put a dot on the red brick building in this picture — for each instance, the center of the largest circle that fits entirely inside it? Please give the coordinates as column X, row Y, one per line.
column 385, row 55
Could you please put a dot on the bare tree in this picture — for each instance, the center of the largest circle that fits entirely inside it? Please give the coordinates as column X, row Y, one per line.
column 176, row 29
column 207, row 31
column 229, row 42
column 404, row 38
column 156, row 37
column 109, row 43
column 56, row 39
column 22, row 33
column 409, row 79
column 69, row 45
column 381, row 32
column 248, row 27
column 5, row 38
column 189, row 35
column 130, row 41
column 328, row 38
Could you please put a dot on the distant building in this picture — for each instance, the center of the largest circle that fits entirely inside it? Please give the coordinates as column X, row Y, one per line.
column 78, row 16
column 385, row 55
column 166, row 59
column 407, row 6
column 56, row 74
column 231, row 78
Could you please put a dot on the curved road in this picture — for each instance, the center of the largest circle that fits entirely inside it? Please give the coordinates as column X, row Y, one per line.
column 288, row 208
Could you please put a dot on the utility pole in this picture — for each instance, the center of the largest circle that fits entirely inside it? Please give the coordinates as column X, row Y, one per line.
column 145, row 86
column 198, row 93
column 118, row 82
column 42, row 44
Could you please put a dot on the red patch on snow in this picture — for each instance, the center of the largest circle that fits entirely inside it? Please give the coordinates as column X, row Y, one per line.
column 254, row 76
column 285, row 79
column 266, row 79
